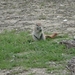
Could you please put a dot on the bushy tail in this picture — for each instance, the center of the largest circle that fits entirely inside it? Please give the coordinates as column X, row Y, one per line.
column 51, row 36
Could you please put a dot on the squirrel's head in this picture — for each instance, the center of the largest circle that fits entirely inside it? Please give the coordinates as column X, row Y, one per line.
column 38, row 27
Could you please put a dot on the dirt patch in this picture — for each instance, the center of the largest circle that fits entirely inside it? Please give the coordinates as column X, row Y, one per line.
column 55, row 16
column 33, row 71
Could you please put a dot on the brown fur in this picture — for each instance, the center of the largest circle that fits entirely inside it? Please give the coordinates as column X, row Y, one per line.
column 51, row 36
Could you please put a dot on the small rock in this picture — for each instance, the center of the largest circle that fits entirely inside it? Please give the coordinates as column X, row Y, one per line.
column 68, row 43
column 8, row 73
column 74, row 37
column 65, row 20
column 71, row 66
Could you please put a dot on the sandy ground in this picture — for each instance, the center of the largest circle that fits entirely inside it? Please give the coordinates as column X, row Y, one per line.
column 55, row 16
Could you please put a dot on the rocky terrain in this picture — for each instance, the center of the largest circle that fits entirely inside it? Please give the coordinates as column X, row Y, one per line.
column 55, row 16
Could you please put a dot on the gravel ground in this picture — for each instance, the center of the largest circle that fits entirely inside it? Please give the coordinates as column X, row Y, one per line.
column 55, row 16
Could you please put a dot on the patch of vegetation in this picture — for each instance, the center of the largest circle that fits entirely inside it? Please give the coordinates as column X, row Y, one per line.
column 18, row 49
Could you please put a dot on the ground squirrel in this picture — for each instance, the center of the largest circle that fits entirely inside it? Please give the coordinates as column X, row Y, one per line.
column 38, row 33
